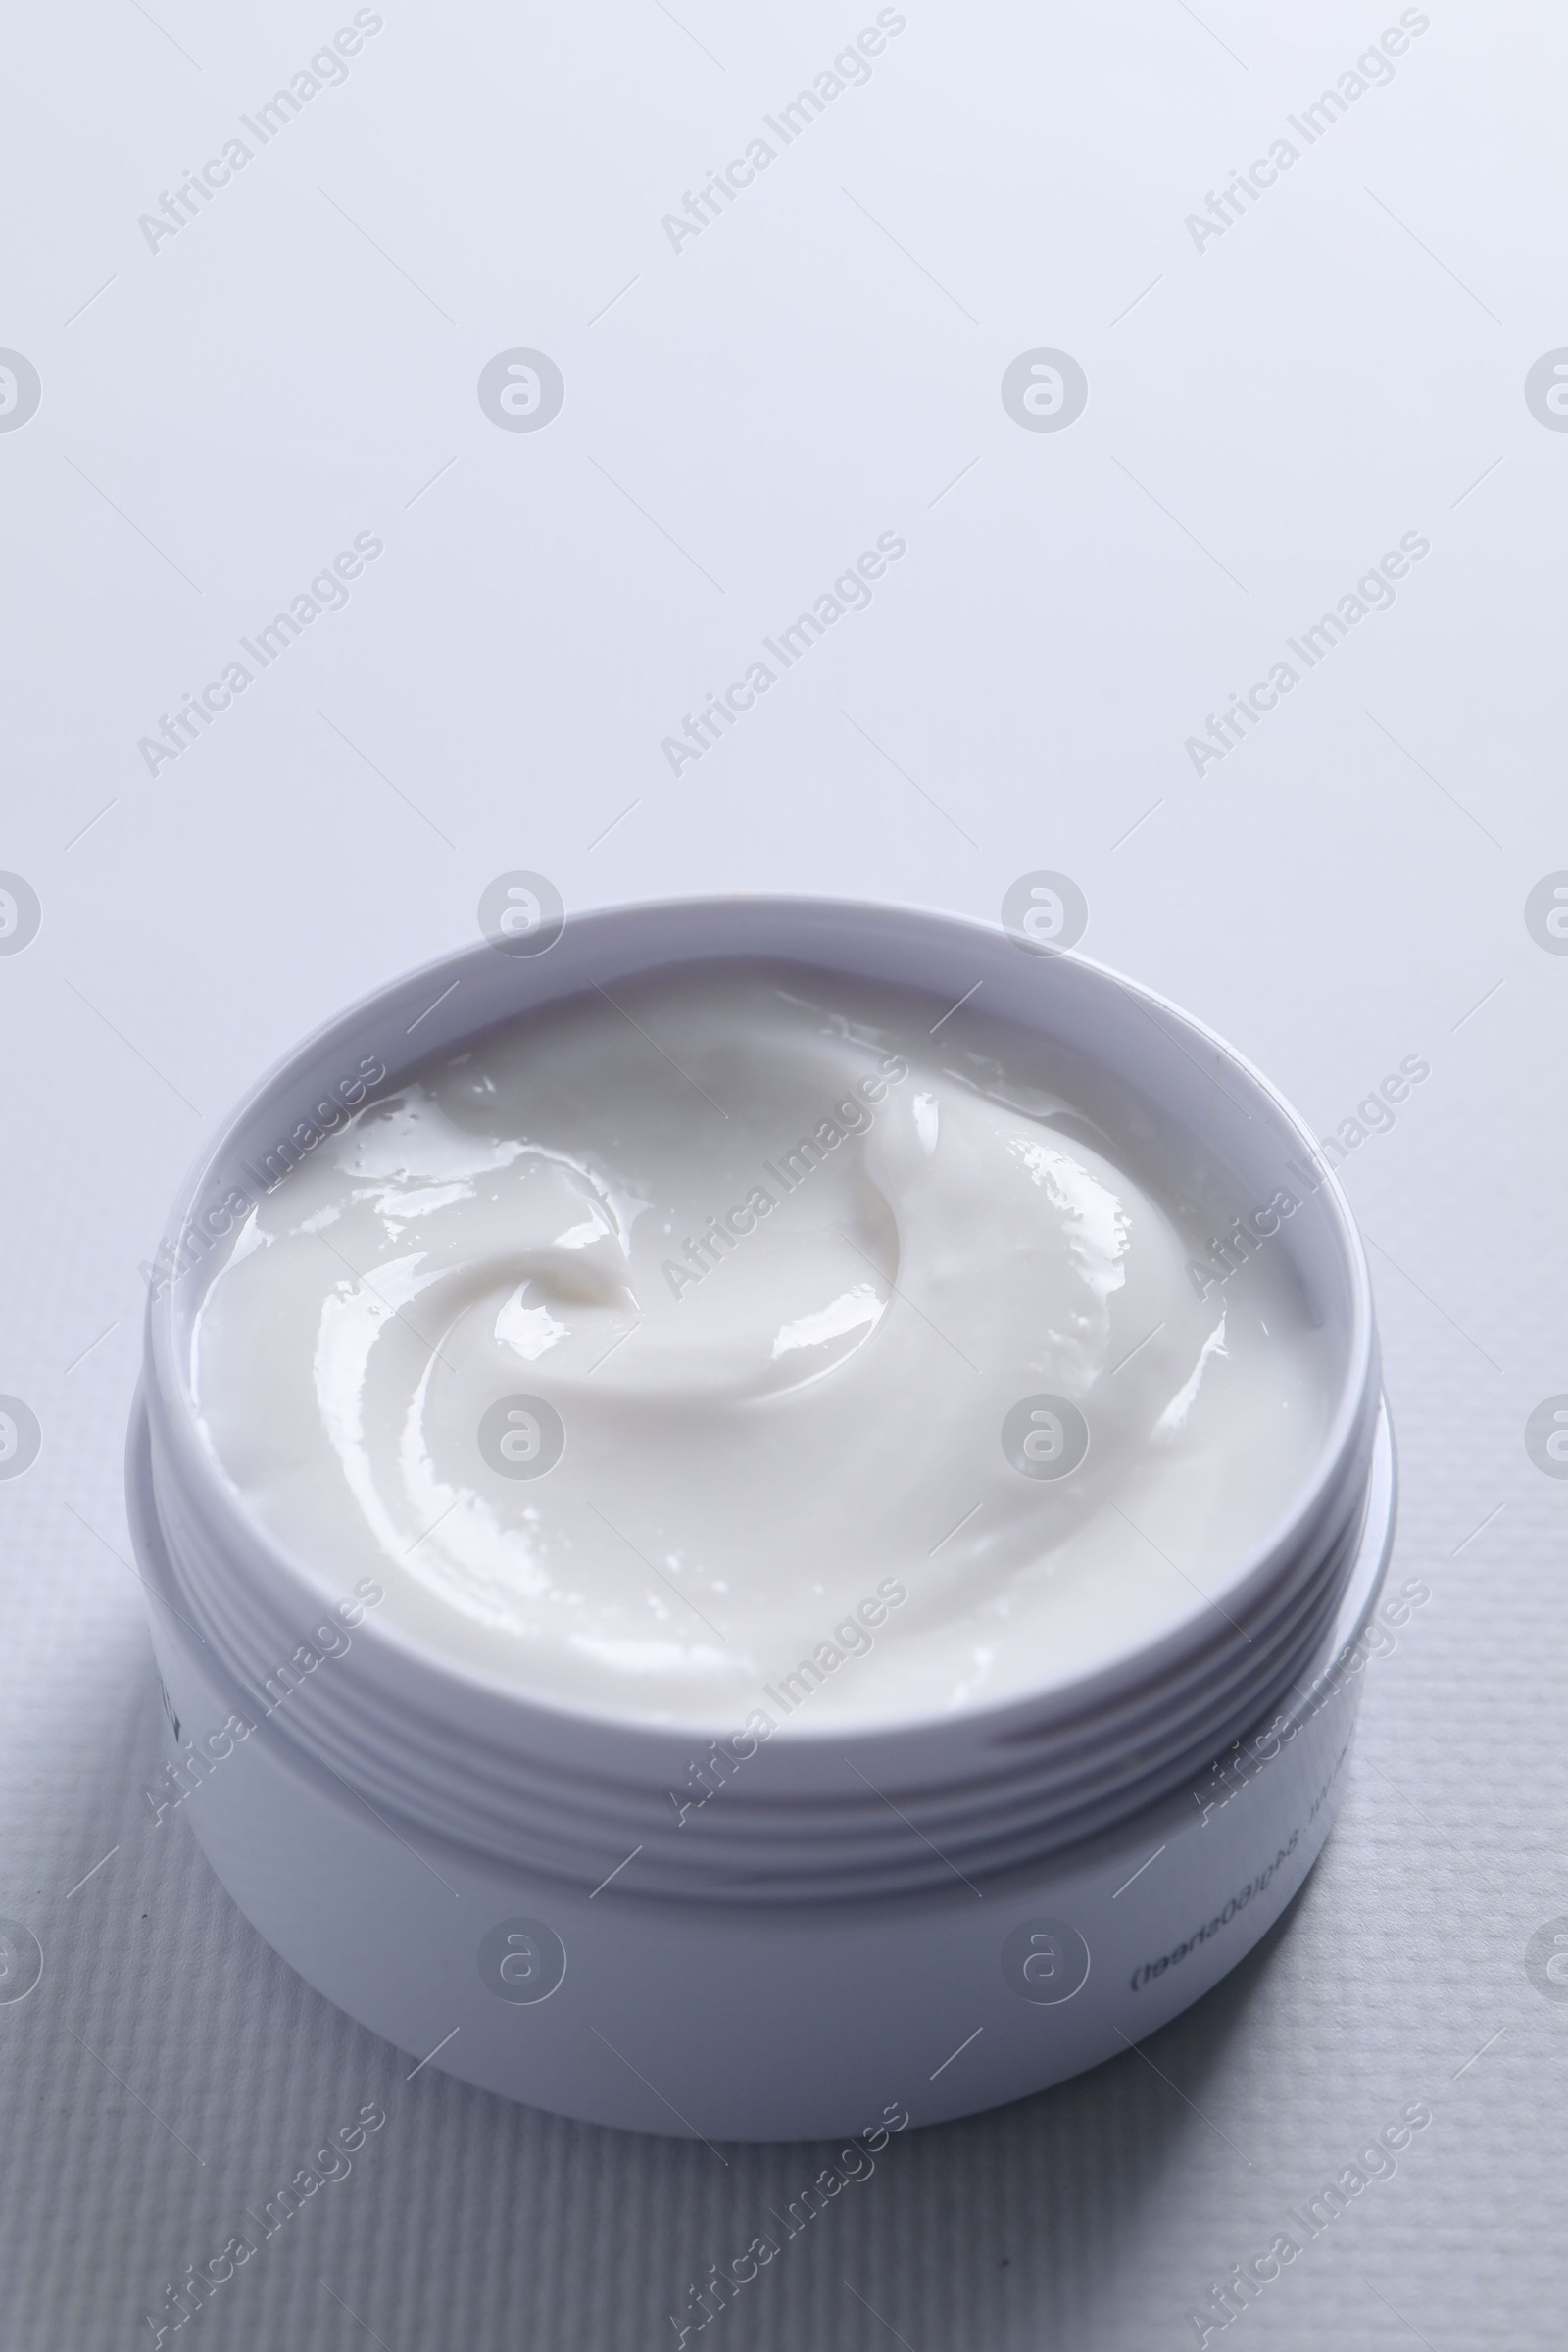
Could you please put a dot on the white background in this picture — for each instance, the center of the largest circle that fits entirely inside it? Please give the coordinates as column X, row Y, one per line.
column 1345, row 365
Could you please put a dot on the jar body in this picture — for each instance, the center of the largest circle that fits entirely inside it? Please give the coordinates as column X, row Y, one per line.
column 456, row 1863
column 728, row 2022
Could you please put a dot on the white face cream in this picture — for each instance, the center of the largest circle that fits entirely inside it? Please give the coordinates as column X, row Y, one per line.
column 761, row 1341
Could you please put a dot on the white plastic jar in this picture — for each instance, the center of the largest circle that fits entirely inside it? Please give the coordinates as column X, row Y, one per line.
column 932, row 1911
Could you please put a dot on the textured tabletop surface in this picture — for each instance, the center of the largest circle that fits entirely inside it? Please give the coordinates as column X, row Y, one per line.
column 1286, row 377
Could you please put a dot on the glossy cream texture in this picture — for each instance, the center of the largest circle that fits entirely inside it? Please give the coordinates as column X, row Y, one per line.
column 782, row 1261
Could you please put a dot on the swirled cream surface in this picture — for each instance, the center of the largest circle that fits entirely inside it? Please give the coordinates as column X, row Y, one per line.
column 757, row 1332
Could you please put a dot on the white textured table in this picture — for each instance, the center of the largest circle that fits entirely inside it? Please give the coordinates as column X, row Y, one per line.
column 1272, row 404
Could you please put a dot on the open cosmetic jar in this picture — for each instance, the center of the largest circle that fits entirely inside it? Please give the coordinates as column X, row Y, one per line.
column 761, row 1513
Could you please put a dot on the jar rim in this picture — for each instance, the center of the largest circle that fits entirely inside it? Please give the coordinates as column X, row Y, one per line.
column 1310, row 1521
